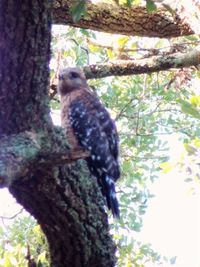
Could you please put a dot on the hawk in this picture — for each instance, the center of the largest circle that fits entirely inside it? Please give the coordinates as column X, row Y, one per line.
column 87, row 124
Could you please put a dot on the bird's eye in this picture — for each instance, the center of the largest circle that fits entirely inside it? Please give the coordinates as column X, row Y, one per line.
column 73, row 75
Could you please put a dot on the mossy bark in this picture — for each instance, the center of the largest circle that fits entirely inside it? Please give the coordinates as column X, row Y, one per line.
column 65, row 200
column 68, row 206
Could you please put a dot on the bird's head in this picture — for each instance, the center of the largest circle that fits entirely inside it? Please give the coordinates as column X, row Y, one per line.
column 71, row 79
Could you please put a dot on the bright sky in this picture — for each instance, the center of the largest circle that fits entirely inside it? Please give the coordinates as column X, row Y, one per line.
column 172, row 221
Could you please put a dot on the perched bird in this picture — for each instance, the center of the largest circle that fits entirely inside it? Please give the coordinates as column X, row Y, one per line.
column 87, row 124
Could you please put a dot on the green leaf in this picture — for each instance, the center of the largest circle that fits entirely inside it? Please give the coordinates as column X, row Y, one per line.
column 122, row 41
column 137, row 227
column 150, row 5
column 110, row 54
column 42, row 257
column 196, row 142
column 78, row 10
column 188, row 108
column 128, row 3
column 192, row 38
column 195, row 100
column 190, row 149
column 7, row 261
column 166, row 167
column 55, row 105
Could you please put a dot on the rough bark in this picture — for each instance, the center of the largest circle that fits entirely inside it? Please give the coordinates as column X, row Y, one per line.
column 146, row 65
column 111, row 18
column 65, row 200
column 21, row 153
column 24, row 57
column 68, row 207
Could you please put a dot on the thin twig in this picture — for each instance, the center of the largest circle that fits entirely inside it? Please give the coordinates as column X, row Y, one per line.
column 12, row 217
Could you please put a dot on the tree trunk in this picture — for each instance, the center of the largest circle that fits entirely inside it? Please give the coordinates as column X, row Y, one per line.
column 68, row 207
column 65, row 200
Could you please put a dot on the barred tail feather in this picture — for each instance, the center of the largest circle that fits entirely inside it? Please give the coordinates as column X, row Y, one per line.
column 111, row 197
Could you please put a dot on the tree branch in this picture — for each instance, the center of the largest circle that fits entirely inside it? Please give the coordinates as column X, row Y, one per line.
column 147, row 65
column 21, row 153
column 156, row 63
column 11, row 217
column 189, row 14
column 111, row 18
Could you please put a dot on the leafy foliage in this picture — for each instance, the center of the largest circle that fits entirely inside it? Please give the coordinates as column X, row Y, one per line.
column 78, row 10
column 150, row 5
column 21, row 234
column 147, row 108
column 127, row 2
column 189, row 163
